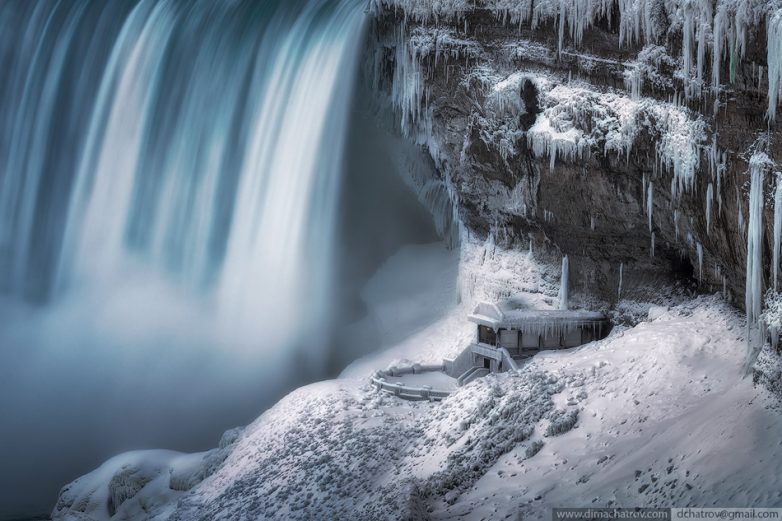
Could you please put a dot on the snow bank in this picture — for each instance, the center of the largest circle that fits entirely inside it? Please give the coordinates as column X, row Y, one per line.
column 665, row 419
column 646, row 416
column 139, row 485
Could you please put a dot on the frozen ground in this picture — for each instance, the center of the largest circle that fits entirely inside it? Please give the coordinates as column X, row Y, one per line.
column 655, row 414
column 435, row 379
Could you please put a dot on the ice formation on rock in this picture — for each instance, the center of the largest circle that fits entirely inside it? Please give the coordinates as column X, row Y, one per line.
column 709, row 198
column 577, row 122
column 650, row 203
column 678, row 148
column 754, row 281
column 563, row 288
column 425, row 11
column 777, row 227
column 720, row 26
column 774, row 35
column 416, row 56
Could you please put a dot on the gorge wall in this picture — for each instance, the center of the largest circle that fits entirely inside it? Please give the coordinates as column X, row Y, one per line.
column 619, row 133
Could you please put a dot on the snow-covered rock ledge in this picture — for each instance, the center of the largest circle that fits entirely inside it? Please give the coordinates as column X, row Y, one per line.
column 655, row 414
column 619, row 133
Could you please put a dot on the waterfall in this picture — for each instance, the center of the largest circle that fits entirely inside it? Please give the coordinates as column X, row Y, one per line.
column 170, row 173
column 199, row 142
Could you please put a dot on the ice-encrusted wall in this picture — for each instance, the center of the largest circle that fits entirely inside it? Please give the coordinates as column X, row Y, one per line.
column 617, row 132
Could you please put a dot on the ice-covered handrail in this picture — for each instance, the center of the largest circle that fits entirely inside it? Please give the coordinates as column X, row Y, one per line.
column 508, row 360
column 409, row 392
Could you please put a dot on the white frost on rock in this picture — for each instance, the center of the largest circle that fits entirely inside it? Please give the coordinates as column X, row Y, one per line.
column 646, row 69
column 424, row 11
column 417, row 54
column 681, row 138
column 577, row 122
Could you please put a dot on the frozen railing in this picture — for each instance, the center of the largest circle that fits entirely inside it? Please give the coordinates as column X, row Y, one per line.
column 508, row 360
column 409, row 392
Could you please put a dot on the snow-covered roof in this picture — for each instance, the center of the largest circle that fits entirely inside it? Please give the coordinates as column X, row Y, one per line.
column 492, row 316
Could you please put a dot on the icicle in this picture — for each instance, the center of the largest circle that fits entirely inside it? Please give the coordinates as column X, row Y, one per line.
column 777, row 226
column 652, row 250
column 592, row 223
column 713, row 156
column 720, row 24
column 676, row 216
column 774, row 58
column 650, row 203
column 699, row 250
column 687, row 38
column 740, row 211
column 621, row 276
column 754, row 283
column 720, row 170
column 562, row 12
column 563, row 287
column 709, row 197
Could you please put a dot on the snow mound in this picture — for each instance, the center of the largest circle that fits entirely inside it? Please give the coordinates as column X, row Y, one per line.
column 140, row 484
column 655, row 415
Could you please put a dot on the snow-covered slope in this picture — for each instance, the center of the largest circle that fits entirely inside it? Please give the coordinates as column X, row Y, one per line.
column 655, row 414
column 663, row 417
column 143, row 484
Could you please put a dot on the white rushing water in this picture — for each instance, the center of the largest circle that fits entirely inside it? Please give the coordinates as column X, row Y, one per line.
column 205, row 150
column 169, row 180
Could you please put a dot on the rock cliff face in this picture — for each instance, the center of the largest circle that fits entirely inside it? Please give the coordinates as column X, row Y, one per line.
column 618, row 132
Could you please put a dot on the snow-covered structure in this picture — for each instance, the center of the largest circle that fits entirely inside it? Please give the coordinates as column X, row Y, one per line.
column 513, row 334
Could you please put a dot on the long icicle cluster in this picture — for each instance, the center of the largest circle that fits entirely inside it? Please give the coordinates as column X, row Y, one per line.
column 753, row 293
column 777, row 227
column 774, row 49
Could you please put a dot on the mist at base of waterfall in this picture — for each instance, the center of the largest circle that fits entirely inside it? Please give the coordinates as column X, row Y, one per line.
column 143, row 363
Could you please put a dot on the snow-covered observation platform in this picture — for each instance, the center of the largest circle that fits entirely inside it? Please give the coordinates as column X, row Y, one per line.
column 507, row 336
column 415, row 382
